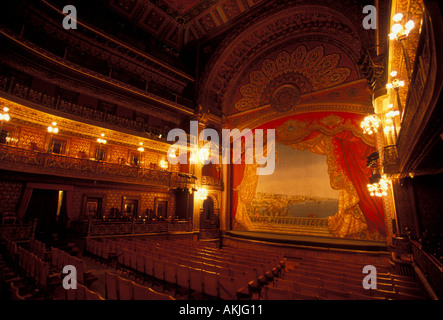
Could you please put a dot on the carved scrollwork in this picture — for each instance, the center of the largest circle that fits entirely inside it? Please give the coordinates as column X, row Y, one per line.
column 309, row 70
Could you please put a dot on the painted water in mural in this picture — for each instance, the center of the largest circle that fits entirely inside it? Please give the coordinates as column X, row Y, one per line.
column 304, row 199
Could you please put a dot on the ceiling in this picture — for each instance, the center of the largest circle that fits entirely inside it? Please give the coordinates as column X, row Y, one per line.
column 181, row 22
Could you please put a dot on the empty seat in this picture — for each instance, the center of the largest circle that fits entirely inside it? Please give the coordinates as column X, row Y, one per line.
column 210, row 283
column 91, row 295
column 170, row 272
column 111, row 286
column 124, row 289
column 140, row 292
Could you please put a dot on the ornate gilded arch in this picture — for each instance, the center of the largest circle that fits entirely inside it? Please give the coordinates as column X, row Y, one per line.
column 305, row 56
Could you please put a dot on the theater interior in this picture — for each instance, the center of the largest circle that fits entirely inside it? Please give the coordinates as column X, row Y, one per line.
column 214, row 150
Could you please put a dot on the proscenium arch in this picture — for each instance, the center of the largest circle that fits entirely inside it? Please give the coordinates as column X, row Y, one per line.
column 323, row 21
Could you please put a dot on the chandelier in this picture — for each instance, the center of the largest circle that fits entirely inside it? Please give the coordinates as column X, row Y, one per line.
column 379, row 188
column 202, row 193
column 370, row 124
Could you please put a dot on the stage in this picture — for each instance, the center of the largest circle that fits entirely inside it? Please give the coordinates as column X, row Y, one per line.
column 310, row 241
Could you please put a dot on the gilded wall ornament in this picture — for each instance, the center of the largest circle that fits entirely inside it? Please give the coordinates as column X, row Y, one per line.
column 317, row 70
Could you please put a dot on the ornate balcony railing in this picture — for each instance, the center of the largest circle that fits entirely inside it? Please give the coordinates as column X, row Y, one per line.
column 212, row 182
column 10, row 86
column 431, row 267
column 16, row 231
column 18, row 159
column 390, row 159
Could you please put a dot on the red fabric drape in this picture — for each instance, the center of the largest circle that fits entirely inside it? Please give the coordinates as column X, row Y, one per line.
column 351, row 156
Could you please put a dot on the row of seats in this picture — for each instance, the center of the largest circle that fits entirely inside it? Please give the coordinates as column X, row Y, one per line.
column 227, row 274
column 37, row 269
column 38, row 248
column 386, row 282
column 60, row 259
column 82, row 293
column 118, row 288
column 314, row 280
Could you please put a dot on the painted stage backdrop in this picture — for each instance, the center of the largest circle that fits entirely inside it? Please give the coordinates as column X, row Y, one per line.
column 319, row 186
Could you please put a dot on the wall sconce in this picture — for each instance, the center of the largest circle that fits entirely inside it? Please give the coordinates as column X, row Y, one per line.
column 5, row 116
column 53, row 128
column 100, row 140
column 399, row 32
column 203, row 155
column 396, row 84
column 163, row 164
column 370, row 124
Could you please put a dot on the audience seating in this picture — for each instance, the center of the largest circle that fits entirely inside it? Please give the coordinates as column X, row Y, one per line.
column 82, row 293
column 60, row 259
column 118, row 288
column 333, row 280
column 184, row 264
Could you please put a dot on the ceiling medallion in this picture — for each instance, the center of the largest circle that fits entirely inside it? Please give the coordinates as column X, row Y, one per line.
column 285, row 98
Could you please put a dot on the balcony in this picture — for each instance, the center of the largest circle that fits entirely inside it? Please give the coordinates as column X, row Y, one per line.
column 24, row 160
column 69, row 109
column 17, row 159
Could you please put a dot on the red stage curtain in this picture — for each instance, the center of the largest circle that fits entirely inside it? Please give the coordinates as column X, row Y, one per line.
column 351, row 154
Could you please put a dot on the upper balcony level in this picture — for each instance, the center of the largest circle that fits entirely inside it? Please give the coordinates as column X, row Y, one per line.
column 30, row 161
column 418, row 148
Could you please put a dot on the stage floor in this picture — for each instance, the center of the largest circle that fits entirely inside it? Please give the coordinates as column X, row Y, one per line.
column 315, row 241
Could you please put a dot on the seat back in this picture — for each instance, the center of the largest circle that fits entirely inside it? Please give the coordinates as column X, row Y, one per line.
column 149, row 265
column 154, row 295
column 111, row 286
column 273, row 293
column 80, row 291
column 210, row 283
column 140, row 263
column 196, row 279
column 140, row 292
column 124, row 289
column 91, row 295
column 183, row 276
column 159, row 269
column 170, row 272
column 227, row 288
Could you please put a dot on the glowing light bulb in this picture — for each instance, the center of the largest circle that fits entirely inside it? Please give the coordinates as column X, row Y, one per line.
column 396, row 28
column 410, row 25
column 397, row 17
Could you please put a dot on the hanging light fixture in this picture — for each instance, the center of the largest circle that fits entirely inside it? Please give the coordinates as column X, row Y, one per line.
column 202, row 193
column 378, row 188
column 370, row 124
